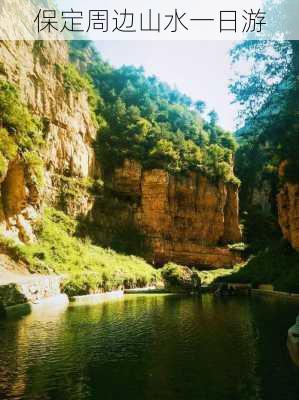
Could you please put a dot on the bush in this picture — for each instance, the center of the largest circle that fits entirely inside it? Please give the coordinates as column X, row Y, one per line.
column 14, row 113
column 22, row 134
column 3, row 165
column 82, row 284
column 72, row 79
column 210, row 276
column 180, row 278
column 8, row 147
column 35, row 167
column 277, row 265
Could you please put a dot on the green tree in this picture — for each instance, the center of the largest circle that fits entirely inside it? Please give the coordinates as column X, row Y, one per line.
column 149, row 121
column 200, row 106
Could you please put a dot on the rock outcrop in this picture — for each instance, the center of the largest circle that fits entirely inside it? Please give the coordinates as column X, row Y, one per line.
column 184, row 219
column 262, row 196
column 31, row 290
column 34, row 68
column 288, row 212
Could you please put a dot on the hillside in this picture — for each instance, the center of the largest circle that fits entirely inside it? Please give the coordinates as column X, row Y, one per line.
column 129, row 158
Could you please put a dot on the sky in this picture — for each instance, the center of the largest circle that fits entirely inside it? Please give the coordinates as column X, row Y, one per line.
column 200, row 69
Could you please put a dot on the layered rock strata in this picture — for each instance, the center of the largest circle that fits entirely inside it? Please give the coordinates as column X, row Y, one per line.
column 184, row 219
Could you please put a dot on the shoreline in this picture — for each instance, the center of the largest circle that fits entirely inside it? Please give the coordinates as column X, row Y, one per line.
column 53, row 302
column 96, row 298
column 275, row 293
column 62, row 300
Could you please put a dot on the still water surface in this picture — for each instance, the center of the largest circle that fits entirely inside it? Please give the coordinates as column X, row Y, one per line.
column 152, row 347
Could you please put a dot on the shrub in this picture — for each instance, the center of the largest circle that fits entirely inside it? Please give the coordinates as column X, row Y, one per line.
column 73, row 80
column 210, row 276
column 3, row 165
column 177, row 277
column 82, row 284
column 14, row 113
column 35, row 167
column 8, row 147
column 277, row 265
column 22, row 133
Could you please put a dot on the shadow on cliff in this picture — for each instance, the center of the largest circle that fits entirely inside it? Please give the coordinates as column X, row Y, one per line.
column 106, row 226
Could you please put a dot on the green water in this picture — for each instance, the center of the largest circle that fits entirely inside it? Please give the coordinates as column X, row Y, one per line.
column 152, row 347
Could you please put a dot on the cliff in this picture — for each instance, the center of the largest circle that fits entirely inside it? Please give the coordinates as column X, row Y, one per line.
column 288, row 212
column 34, row 67
column 184, row 219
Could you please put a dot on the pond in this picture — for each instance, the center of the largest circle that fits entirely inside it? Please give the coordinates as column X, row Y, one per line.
column 152, row 347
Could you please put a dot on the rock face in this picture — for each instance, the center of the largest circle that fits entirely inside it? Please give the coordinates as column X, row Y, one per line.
column 31, row 290
column 262, row 196
column 33, row 68
column 184, row 219
column 20, row 201
column 70, row 128
column 288, row 212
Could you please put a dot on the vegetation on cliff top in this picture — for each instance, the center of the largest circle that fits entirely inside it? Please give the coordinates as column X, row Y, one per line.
column 146, row 120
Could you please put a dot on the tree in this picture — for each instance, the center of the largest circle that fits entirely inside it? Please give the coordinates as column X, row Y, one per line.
column 200, row 106
column 261, row 90
column 213, row 117
column 269, row 100
column 148, row 121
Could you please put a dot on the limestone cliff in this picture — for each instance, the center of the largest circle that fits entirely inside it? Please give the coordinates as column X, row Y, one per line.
column 288, row 212
column 183, row 219
column 33, row 68
column 288, row 209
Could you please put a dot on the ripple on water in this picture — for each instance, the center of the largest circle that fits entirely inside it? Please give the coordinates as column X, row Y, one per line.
column 151, row 347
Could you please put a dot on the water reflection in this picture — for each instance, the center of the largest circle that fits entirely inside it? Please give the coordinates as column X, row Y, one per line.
column 151, row 347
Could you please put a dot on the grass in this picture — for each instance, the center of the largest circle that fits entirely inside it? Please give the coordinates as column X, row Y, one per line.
column 87, row 268
column 178, row 276
column 277, row 265
column 209, row 277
